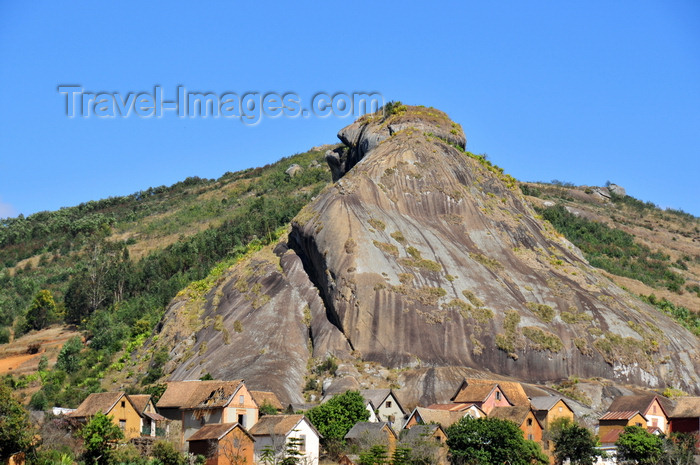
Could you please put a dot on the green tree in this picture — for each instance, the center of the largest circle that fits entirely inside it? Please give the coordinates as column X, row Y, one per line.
column 401, row 456
column 267, row 409
column 574, row 442
column 42, row 311
column 333, row 419
column 68, row 357
column 637, row 446
column 491, row 440
column 16, row 432
column 166, row 454
column 376, row 455
column 292, row 453
column 679, row 449
column 100, row 433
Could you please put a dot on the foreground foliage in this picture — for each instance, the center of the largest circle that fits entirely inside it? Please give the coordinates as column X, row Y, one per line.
column 16, row 432
column 573, row 443
column 491, row 440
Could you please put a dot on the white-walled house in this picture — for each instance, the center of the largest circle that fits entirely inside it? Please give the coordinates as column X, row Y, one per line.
column 275, row 431
column 387, row 405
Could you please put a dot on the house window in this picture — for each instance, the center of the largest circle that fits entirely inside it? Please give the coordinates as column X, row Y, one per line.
column 236, row 443
column 638, row 424
column 530, row 437
column 240, row 399
column 241, row 420
column 122, row 424
column 123, row 404
column 653, row 409
column 560, row 409
column 302, row 443
column 529, row 422
column 388, row 404
column 498, row 395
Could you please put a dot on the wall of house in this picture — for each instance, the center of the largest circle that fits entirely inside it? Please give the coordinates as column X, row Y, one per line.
column 531, row 428
column 193, row 420
column 494, row 401
column 560, row 410
column 655, row 416
column 392, row 413
column 123, row 410
column 311, row 453
column 241, row 404
column 235, row 448
column 372, row 416
column 685, row 425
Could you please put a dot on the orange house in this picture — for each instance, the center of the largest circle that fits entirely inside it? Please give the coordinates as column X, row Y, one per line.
column 430, row 432
column 612, row 424
column 223, row 444
column 524, row 418
column 364, row 430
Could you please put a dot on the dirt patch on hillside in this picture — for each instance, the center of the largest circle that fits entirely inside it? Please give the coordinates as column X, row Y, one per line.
column 22, row 355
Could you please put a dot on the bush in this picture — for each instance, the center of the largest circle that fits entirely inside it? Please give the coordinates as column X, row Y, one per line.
column 166, row 454
column 4, row 335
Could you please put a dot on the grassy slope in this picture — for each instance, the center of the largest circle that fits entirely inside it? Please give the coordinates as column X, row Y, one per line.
column 642, row 248
column 174, row 235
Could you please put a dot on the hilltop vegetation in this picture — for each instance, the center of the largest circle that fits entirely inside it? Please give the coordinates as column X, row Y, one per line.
column 80, row 258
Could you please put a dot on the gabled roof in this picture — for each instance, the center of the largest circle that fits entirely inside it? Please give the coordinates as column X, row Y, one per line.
column 547, row 402
column 262, row 397
column 624, row 415
column 421, row 431
column 279, row 425
column 516, row 414
column 101, row 402
column 373, row 429
column 454, row 407
column 216, row 431
column 378, row 396
column 443, row 417
column 199, row 394
column 140, row 402
column 475, row 393
column 513, row 391
column 639, row 402
column 686, row 407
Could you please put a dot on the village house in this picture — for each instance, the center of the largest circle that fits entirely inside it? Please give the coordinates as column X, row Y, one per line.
column 415, row 437
column 364, row 433
column 223, row 444
column 548, row 409
column 656, row 409
column 275, row 431
column 685, row 417
column 387, row 406
column 612, row 424
column 486, row 396
column 150, row 419
column 445, row 418
column 199, row 403
column 524, row 418
column 117, row 405
column 262, row 398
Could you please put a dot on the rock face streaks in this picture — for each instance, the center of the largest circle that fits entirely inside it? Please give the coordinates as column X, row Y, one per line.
column 423, row 255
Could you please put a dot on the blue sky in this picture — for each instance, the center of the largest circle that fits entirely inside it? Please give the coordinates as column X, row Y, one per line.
column 585, row 93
